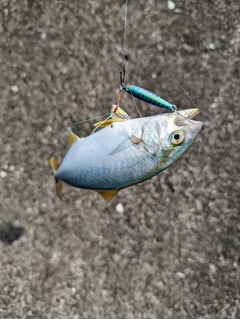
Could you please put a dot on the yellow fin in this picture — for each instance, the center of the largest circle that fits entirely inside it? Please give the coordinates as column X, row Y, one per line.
column 108, row 122
column 55, row 167
column 59, row 189
column 54, row 164
column 117, row 115
column 108, row 194
column 71, row 140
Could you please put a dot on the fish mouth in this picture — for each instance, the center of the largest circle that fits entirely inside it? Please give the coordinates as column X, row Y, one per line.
column 184, row 119
column 189, row 113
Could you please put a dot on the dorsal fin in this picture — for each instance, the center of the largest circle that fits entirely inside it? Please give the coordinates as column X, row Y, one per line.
column 107, row 122
column 117, row 115
column 108, row 194
column 71, row 140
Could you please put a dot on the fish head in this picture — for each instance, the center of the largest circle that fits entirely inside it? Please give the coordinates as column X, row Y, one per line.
column 171, row 135
column 185, row 130
column 182, row 132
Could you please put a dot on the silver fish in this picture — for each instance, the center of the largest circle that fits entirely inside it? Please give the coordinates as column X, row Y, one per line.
column 126, row 151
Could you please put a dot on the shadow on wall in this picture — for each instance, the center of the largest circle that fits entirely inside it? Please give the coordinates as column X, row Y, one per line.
column 9, row 233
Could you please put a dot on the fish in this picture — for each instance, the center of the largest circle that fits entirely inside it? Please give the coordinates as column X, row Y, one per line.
column 125, row 151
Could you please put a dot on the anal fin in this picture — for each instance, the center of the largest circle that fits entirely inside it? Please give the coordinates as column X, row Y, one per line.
column 108, row 194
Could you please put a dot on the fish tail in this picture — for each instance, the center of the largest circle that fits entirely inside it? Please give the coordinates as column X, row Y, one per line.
column 55, row 167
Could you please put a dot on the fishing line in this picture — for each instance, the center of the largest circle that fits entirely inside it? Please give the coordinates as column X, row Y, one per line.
column 123, row 70
column 92, row 119
column 122, row 75
column 136, row 91
column 123, row 66
column 135, row 104
column 125, row 32
column 188, row 95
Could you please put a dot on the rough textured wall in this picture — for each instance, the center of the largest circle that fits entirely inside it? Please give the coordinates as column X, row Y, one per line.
column 174, row 251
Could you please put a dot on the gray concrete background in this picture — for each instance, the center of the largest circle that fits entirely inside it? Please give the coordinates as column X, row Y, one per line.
column 174, row 252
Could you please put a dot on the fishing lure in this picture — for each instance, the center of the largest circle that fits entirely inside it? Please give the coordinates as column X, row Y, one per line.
column 148, row 97
column 143, row 94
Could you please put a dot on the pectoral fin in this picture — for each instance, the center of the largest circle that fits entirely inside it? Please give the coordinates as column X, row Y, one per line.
column 108, row 194
column 121, row 147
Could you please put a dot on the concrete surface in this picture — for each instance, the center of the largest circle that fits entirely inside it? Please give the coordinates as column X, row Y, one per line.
column 175, row 250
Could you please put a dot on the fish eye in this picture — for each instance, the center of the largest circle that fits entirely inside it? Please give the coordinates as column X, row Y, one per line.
column 177, row 137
